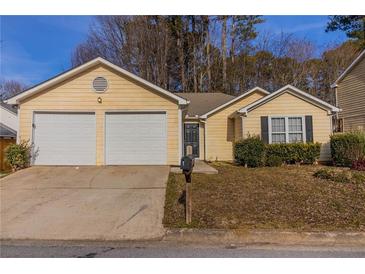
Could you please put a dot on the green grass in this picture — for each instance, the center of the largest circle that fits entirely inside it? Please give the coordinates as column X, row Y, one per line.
column 289, row 197
column 4, row 173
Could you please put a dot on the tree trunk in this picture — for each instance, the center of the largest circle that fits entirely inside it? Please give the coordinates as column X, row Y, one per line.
column 233, row 30
column 224, row 53
column 180, row 45
column 209, row 72
column 195, row 80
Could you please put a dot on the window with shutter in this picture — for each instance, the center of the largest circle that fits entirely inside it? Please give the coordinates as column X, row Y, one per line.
column 286, row 129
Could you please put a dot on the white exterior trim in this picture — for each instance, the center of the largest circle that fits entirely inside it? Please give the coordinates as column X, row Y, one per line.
column 17, row 134
column 180, row 130
column 290, row 89
column 361, row 55
column 204, row 116
column 205, row 140
column 242, row 126
column 96, row 61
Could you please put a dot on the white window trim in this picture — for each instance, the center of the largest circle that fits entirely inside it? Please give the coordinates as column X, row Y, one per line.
column 286, row 117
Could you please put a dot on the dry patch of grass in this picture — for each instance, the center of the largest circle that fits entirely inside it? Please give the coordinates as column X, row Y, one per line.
column 287, row 197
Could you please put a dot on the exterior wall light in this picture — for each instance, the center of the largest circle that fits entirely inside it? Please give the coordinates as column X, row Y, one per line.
column 100, row 100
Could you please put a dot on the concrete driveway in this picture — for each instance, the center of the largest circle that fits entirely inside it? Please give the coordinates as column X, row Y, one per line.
column 93, row 203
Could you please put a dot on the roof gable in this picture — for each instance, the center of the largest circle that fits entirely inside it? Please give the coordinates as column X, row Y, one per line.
column 294, row 91
column 97, row 61
column 203, row 102
column 349, row 68
column 235, row 99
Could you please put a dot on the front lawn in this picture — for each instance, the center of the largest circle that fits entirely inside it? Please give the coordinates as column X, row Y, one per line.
column 288, row 197
column 4, row 173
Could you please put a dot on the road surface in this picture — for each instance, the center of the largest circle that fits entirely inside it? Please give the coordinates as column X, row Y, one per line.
column 170, row 250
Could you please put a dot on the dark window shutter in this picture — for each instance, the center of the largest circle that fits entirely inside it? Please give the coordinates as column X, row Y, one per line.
column 309, row 128
column 264, row 129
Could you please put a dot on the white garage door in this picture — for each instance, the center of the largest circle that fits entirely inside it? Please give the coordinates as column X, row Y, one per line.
column 135, row 139
column 64, row 139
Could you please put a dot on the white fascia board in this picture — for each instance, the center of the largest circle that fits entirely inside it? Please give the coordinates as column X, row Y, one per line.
column 205, row 116
column 362, row 54
column 289, row 88
column 99, row 60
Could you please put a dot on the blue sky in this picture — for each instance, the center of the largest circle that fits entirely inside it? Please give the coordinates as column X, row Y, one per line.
column 34, row 48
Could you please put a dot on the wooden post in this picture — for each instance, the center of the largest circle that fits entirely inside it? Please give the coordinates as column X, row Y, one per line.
column 188, row 202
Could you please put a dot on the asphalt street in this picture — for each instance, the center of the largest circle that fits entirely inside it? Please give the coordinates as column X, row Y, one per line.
column 170, row 250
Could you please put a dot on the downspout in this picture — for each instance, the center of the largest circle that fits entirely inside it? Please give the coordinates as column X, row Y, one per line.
column 335, row 115
column 205, row 138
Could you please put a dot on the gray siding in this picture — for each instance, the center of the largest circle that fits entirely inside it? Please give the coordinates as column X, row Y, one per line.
column 351, row 98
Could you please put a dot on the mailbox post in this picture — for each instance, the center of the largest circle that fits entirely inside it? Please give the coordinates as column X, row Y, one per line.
column 187, row 164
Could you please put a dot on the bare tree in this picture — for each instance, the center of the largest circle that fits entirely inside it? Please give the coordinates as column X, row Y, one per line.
column 189, row 53
column 10, row 88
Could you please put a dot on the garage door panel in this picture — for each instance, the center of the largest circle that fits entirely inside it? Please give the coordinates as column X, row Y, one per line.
column 136, row 139
column 64, row 139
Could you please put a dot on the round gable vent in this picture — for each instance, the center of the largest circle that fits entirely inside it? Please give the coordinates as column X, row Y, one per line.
column 100, row 84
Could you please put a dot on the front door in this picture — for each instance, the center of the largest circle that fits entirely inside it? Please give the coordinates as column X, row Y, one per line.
column 191, row 138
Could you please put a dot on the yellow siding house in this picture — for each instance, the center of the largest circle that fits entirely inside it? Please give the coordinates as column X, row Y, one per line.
column 101, row 114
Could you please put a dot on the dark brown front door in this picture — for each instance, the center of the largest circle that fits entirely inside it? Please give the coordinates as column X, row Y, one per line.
column 191, row 138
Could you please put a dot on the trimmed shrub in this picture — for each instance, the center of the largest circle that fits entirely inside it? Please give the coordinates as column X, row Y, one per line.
column 274, row 161
column 358, row 165
column 250, row 151
column 347, row 148
column 18, row 155
column 253, row 153
column 294, row 153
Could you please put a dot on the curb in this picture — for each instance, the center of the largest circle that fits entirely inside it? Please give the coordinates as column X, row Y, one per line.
column 217, row 236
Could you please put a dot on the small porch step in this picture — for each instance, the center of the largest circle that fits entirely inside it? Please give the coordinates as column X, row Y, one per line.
column 200, row 167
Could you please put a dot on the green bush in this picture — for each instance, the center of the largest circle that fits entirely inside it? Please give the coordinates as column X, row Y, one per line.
column 250, row 151
column 18, row 155
column 294, row 153
column 273, row 161
column 347, row 148
column 253, row 153
column 324, row 173
column 340, row 176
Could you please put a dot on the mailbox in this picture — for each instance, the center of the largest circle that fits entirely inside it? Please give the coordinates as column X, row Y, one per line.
column 187, row 164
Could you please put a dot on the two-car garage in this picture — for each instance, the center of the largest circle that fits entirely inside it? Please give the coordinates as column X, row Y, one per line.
column 70, row 138
column 100, row 114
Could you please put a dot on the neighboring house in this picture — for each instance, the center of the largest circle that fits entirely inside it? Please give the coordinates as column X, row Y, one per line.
column 8, row 130
column 9, row 116
column 98, row 113
column 350, row 96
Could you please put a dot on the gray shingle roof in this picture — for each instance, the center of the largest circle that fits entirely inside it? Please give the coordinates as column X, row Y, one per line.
column 6, row 131
column 9, row 107
column 203, row 102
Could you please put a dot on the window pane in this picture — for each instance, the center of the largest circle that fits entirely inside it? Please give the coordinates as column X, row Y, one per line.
column 295, row 137
column 295, row 124
column 278, row 124
column 278, row 138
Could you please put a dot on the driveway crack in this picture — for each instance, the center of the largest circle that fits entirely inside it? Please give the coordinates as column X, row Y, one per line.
column 134, row 215
column 93, row 178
